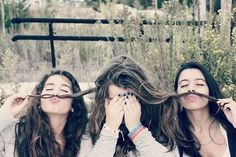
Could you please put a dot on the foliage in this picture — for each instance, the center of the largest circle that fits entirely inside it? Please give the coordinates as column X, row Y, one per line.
column 173, row 45
column 15, row 9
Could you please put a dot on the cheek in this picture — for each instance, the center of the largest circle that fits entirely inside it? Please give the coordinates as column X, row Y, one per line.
column 180, row 90
column 43, row 102
column 182, row 101
column 204, row 90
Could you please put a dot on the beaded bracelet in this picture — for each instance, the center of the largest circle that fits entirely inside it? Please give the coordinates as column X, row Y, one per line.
column 135, row 129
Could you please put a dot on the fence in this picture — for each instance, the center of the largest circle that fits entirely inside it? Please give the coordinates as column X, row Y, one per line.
column 52, row 37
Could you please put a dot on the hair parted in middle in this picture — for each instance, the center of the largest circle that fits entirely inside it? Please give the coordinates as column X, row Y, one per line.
column 34, row 134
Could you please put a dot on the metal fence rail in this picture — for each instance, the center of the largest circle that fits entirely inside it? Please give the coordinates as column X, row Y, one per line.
column 51, row 37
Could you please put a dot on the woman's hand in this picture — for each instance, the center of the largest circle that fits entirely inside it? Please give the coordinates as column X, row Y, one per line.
column 229, row 108
column 15, row 104
column 132, row 110
column 114, row 112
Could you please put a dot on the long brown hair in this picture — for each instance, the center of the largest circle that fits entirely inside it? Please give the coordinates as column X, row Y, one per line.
column 34, row 134
column 157, row 108
column 188, row 143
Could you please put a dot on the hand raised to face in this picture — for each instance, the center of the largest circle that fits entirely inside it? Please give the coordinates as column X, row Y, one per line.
column 229, row 108
column 15, row 104
column 114, row 111
column 132, row 111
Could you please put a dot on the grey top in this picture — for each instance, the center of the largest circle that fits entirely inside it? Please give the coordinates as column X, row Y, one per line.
column 146, row 145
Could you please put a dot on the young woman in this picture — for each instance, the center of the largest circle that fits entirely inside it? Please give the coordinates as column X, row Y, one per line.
column 51, row 127
column 129, row 115
column 209, row 125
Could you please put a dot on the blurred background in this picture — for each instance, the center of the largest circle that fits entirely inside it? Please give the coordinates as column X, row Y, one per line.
column 177, row 40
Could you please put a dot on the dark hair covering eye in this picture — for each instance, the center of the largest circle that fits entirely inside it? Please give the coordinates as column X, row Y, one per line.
column 34, row 134
column 188, row 144
column 157, row 108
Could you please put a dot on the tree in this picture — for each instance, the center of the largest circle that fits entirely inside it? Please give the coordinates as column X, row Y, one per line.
column 3, row 17
column 14, row 9
column 225, row 26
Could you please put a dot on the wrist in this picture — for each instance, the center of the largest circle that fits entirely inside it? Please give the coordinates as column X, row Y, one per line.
column 136, row 131
column 133, row 126
column 108, row 128
column 112, row 125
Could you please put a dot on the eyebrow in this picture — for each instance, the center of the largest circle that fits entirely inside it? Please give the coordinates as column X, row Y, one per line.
column 52, row 84
column 197, row 79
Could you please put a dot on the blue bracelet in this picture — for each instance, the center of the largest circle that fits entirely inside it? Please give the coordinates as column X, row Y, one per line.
column 139, row 125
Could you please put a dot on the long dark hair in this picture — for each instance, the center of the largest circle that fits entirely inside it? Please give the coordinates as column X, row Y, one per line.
column 157, row 108
column 187, row 144
column 34, row 134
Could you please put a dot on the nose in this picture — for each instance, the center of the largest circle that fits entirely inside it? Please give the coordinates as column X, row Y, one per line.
column 55, row 92
column 191, row 88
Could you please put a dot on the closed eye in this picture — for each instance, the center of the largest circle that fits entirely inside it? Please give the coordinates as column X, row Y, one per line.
column 66, row 91
column 200, row 84
column 182, row 86
column 48, row 89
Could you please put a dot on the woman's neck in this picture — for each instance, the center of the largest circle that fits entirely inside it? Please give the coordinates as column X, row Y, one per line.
column 200, row 119
column 58, row 124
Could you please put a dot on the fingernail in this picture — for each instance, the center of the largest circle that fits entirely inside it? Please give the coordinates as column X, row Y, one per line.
column 125, row 103
column 127, row 97
column 119, row 95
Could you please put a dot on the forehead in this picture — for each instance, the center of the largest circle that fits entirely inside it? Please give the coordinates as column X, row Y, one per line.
column 58, row 80
column 114, row 90
column 191, row 74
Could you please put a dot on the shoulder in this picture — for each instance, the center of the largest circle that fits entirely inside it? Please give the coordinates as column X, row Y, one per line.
column 7, row 140
column 85, row 145
column 8, row 134
column 6, row 118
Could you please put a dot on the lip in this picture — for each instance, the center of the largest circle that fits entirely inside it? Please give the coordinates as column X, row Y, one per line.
column 191, row 97
column 54, row 100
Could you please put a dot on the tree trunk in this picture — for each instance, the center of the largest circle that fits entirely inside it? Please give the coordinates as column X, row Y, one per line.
column 226, row 6
column 201, row 12
column 155, row 5
column 202, row 9
column 3, row 18
column 211, row 7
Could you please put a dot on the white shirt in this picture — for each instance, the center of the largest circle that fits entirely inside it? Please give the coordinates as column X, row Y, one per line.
column 223, row 131
column 226, row 153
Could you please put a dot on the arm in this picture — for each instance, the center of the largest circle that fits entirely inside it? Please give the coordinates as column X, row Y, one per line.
column 11, row 109
column 149, row 147
column 146, row 145
column 6, row 118
column 105, row 145
column 1, row 146
column 7, row 141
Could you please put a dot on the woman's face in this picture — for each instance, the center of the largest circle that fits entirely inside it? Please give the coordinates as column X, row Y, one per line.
column 192, row 80
column 56, row 85
column 114, row 90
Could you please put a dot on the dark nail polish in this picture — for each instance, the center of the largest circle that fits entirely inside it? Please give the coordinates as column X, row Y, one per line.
column 127, row 97
column 125, row 103
column 119, row 95
column 131, row 94
column 124, row 95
